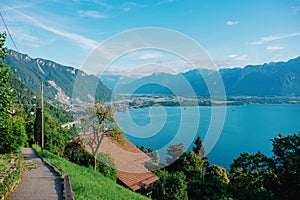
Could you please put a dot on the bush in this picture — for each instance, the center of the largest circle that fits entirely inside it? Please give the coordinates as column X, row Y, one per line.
column 11, row 177
column 14, row 136
column 56, row 137
column 170, row 186
column 105, row 164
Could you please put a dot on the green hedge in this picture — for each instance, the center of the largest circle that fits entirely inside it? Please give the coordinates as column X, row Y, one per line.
column 11, row 177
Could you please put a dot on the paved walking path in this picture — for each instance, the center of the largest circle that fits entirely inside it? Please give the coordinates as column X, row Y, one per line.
column 39, row 181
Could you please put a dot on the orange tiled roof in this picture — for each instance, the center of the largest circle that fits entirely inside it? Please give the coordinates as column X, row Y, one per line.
column 129, row 161
column 136, row 180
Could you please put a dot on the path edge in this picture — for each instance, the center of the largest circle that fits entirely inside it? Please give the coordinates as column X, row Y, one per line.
column 16, row 166
column 67, row 187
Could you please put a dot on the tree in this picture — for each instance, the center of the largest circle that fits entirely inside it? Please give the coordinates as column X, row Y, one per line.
column 170, row 186
column 251, row 175
column 174, row 151
column 154, row 163
column 199, row 148
column 190, row 164
column 100, row 120
column 212, row 185
column 152, row 153
column 15, row 136
column 286, row 151
column 215, row 183
column 6, row 92
column 56, row 137
column 77, row 153
column 37, row 127
column 6, row 100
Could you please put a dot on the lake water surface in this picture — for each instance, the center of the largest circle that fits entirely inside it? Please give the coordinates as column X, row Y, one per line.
column 246, row 128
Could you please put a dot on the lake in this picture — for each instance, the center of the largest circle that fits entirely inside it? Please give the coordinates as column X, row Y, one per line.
column 226, row 131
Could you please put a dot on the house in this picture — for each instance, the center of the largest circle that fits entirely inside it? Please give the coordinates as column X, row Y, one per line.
column 129, row 161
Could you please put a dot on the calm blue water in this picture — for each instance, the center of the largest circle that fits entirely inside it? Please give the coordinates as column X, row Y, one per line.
column 246, row 128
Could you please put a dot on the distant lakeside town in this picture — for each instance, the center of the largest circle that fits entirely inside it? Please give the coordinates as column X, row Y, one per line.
column 124, row 102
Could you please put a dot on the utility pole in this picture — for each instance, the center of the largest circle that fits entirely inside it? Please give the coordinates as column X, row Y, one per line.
column 42, row 105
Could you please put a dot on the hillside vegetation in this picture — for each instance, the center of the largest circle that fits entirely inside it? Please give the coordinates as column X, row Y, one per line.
column 62, row 83
column 88, row 184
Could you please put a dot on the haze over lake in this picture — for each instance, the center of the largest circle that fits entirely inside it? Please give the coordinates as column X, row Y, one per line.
column 247, row 128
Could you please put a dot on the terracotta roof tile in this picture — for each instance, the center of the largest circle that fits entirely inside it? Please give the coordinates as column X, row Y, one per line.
column 129, row 161
column 137, row 180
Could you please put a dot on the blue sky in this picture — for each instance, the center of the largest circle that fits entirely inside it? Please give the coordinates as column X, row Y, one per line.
column 234, row 33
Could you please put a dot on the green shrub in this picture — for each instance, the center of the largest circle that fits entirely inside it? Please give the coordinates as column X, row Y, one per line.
column 105, row 164
column 14, row 136
column 170, row 186
column 5, row 160
column 11, row 178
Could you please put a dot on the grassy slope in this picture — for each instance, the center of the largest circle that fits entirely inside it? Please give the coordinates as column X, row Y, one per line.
column 87, row 184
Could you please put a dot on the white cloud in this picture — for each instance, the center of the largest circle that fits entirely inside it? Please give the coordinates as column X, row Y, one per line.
column 149, row 56
column 230, row 23
column 242, row 57
column 21, row 5
column 274, row 48
column 233, row 56
column 92, row 14
column 83, row 41
column 238, row 57
column 270, row 38
column 127, row 6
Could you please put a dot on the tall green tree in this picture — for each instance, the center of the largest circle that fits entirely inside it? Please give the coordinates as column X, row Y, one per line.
column 198, row 147
column 286, row 151
column 190, row 164
column 212, row 185
column 174, row 151
column 152, row 153
column 6, row 100
column 170, row 186
column 37, row 127
column 252, row 175
column 6, row 92
column 56, row 138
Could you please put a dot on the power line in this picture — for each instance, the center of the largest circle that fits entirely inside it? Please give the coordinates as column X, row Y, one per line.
column 8, row 32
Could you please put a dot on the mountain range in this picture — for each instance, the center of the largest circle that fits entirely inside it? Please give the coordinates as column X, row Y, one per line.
column 270, row 79
column 63, row 84
column 68, row 85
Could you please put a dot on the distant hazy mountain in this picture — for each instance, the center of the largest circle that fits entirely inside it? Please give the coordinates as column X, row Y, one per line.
column 111, row 80
column 276, row 78
column 59, row 80
column 272, row 79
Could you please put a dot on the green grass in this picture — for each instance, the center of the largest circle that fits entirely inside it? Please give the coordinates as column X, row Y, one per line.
column 87, row 184
column 5, row 160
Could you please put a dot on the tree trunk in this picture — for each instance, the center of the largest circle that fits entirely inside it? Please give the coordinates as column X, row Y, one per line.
column 95, row 163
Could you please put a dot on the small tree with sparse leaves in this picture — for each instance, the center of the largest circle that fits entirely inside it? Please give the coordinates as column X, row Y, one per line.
column 99, row 121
